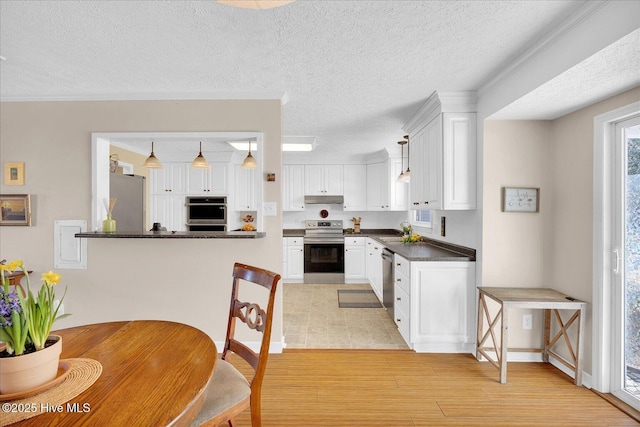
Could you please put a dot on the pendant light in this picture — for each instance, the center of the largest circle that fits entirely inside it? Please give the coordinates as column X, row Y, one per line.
column 407, row 173
column 152, row 161
column 401, row 177
column 200, row 162
column 249, row 161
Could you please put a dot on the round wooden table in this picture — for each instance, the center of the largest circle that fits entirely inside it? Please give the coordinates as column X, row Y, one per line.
column 154, row 373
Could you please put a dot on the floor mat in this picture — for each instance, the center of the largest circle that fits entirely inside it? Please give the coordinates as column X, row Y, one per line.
column 353, row 298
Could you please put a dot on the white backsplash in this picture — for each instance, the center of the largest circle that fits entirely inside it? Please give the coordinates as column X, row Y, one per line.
column 369, row 219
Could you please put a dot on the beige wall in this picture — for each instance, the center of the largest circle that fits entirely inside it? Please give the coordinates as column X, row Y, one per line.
column 552, row 248
column 181, row 280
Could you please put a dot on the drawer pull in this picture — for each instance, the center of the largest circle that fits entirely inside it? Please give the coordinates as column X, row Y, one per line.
column 398, row 279
column 398, row 320
column 398, row 299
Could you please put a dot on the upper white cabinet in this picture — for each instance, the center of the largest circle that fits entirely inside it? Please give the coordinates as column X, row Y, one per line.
column 323, row 180
column 245, row 191
column 383, row 192
column 355, row 187
column 443, row 153
column 293, row 187
column 170, row 179
column 208, row 181
column 378, row 186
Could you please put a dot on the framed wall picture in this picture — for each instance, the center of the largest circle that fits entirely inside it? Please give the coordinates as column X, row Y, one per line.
column 15, row 209
column 14, row 173
column 520, row 199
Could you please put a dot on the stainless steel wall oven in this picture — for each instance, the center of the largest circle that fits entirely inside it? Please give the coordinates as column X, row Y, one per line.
column 206, row 213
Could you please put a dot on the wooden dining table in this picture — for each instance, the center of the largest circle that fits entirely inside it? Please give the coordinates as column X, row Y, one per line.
column 154, row 373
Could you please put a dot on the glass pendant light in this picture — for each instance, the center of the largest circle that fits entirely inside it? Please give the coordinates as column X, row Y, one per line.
column 406, row 177
column 401, row 176
column 152, row 161
column 200, row 162
column 249, row 161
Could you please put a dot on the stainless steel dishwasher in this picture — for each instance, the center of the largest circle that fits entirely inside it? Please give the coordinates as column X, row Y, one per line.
column 387, row 281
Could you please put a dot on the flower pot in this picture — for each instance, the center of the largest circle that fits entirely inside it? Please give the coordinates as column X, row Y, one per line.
column 28, row 371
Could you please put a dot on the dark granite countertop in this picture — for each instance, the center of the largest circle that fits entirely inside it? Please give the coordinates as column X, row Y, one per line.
column 424, row 251
column 175, row 235
column 429, row 250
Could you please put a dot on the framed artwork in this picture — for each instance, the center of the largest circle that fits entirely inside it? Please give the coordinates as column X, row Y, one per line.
column 15, row 209
column 520, row 199
column 14, row 173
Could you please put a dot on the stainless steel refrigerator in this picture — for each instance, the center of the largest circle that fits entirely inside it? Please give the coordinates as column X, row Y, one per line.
column 130, row 209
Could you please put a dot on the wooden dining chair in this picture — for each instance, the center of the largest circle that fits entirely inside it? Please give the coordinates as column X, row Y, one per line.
column 229, row 392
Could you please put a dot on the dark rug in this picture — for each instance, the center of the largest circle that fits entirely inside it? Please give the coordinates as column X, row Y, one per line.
column 355, row 298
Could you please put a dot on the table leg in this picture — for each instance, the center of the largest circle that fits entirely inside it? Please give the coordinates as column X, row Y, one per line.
column 580, row 343
column 503, row 343
column 480, row 327
column 547, row 335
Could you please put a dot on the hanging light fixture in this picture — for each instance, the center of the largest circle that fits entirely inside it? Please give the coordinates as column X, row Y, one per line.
column 256, row 4
column 401, row 177
column 249, row 161
column 152, row 161
column 200, row 162
column 406, row 177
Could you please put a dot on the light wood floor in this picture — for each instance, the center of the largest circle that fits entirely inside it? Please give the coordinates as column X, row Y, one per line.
column 402, row 388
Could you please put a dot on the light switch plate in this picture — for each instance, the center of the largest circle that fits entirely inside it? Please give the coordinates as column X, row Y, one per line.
column 269, row 208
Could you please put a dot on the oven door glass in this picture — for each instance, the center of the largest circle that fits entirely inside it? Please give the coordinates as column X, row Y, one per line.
column 207, row 213
column 324, row 258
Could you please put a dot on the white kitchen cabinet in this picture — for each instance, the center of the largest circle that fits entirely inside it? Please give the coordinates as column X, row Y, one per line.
column 355, row 187
column 293, row 187
column 374, row 265
column 402, row 291
column 378, row 186
column 443, row 153
column 168, row 210
column 293, row 256
column 244, row 189
column 214, row 181
column 324, row 180
column 355, row 259
column 170, row 179
column 442, row 300
column 383, row 192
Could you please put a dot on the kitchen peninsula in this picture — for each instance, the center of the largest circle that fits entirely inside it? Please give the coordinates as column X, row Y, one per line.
column 174, row 235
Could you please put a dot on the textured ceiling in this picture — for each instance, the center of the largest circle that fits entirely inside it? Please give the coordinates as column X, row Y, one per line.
column 353, row 71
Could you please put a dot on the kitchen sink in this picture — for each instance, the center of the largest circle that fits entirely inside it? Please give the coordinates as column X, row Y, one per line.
column 391, row 239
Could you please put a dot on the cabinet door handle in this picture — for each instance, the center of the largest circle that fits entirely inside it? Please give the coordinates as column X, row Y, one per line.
column 398, row 299
column 398, row 320
column 398, row 280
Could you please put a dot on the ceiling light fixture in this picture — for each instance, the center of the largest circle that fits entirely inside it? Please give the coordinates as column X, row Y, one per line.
column 200, row 162
column 152, row 161
column 406, row 176
column 401, row 177
column 249, row 161
column 256, row 4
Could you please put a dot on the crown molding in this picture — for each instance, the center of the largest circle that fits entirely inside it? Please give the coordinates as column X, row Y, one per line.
column 441, row 102
column 187, row 96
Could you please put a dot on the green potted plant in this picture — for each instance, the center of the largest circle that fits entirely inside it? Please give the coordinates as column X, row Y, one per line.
column 31, row 355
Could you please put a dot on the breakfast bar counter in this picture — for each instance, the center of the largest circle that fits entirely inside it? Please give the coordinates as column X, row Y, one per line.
column 174, row 235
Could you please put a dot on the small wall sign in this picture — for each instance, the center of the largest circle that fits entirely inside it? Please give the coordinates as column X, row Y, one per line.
column 14, row 173
column 520, row 199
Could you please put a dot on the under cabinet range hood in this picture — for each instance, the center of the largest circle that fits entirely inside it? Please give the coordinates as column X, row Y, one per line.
column 323, row 200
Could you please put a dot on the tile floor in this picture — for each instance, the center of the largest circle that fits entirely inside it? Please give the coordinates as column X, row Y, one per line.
column 312, row 319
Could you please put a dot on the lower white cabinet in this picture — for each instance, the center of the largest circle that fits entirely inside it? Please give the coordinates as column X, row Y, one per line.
column 293, row 259
column 374, row 265
column 169, row 211
column 355, row 259
column 441, row 301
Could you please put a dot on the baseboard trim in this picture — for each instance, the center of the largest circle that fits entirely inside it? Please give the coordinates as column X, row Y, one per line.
column 627, row 409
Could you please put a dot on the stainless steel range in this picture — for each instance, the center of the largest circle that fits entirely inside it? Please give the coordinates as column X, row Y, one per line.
column 323, row 252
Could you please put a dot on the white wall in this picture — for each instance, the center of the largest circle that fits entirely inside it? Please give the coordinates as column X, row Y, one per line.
column 369, row 219
column 182, row 280
column 552, row 248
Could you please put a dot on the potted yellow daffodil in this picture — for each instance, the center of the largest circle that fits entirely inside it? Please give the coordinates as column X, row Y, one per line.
column 25, row 327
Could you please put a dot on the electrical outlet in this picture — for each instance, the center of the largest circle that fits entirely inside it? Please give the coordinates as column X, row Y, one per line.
column 527, row 321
